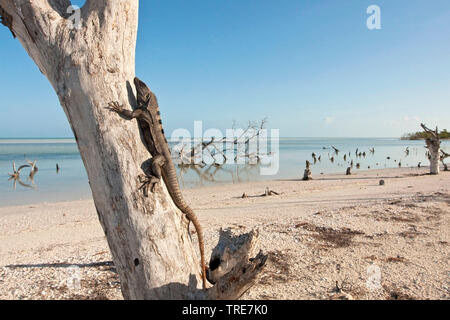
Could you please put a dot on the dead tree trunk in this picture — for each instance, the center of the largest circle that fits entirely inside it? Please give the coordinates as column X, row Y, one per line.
column 433, row 145
column 88, row 67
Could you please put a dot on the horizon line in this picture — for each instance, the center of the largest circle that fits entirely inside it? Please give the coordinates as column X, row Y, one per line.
column 286, row 137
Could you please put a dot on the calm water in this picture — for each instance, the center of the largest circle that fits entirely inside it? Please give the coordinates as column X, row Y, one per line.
column 71, row 182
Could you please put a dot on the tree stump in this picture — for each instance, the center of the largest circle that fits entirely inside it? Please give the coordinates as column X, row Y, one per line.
column 433, row 145
column 307, row 175
column 444, row 155
column 234, row 264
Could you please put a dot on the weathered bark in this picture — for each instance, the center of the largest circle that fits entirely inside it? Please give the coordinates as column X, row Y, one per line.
column 89, row 67
column 433, row 144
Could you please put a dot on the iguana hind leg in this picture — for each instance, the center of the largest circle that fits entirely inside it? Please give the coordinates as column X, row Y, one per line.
column 153, row 174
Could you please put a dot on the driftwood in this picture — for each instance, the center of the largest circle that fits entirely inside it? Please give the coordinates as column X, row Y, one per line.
column 15, row 176
column 433, row 145
column 16, row 173
column 234, row 264
column 267, row 193
column 189, row 155
column 33, row 169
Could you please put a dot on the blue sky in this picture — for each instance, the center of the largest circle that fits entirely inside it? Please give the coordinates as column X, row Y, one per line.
column 311, row 67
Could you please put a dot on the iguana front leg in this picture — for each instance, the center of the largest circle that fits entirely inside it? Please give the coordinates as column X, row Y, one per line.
column 153, row 174
column 153, row 167
column 118, row 108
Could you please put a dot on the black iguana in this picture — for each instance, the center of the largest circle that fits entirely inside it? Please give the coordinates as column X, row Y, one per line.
column 161, row 164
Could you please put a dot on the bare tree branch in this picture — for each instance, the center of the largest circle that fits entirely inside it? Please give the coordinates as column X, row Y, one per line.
column 434, row 133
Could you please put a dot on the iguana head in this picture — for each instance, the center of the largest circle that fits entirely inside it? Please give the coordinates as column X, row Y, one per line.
column 143, row 93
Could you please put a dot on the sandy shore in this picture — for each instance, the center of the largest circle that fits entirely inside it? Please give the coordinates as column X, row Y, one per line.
column 372, row 241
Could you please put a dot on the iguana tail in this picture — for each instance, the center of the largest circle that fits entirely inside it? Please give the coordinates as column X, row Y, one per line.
column 192, row 217
column 170, row 178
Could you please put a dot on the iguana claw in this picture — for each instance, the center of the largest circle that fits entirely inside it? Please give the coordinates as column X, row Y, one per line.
column 147, row 182
column 115, row 106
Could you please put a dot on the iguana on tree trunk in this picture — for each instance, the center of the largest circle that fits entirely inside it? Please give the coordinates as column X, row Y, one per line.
column 161, row 164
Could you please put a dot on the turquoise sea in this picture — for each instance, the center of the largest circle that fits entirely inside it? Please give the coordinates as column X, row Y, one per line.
column 71, row 182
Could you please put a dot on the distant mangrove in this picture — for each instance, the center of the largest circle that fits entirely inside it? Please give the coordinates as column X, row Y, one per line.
column 420, row 135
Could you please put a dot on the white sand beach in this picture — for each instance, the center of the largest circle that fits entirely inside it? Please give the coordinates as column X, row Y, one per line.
column 335, row 230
